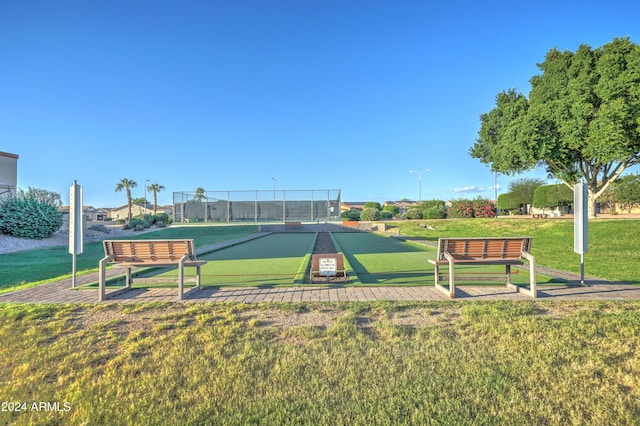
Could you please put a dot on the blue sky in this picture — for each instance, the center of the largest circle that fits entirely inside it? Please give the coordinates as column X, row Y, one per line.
column 227, row 95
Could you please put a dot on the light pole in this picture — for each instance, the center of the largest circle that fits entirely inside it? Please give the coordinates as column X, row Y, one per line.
column 274, row 188
column 419, row 172
column 145, row 194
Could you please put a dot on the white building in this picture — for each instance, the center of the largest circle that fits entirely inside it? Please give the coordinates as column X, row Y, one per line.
column 8, row 173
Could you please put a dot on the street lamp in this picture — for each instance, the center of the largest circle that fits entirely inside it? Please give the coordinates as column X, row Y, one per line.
column 419, row 172
column 145, row 194
column 274, row 188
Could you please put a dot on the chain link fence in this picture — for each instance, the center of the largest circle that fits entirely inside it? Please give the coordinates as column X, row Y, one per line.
column 313, row 205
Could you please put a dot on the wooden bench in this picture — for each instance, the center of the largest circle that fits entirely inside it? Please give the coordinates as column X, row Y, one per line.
column 149, row 253
column 505, row 251
column 292, row 225
column 315, row 264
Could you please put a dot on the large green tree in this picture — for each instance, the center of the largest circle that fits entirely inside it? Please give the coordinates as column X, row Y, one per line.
column 521, row 191
column 580, row 120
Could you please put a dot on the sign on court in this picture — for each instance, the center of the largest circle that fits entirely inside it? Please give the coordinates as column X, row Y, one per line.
column 328, row 266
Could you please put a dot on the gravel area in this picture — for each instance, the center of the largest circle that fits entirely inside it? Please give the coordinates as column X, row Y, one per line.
column 324, row 245
column 61, row 238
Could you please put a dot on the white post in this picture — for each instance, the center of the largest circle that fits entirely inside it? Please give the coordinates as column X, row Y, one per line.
column 76, row 226
column 580, row 223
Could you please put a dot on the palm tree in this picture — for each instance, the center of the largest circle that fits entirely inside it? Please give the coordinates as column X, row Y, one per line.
column 155, row 188
column 127, row 184
column 201, row 194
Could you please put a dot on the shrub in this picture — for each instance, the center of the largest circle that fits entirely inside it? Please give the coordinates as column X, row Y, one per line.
column 161, row 217
column 507, row 202
column 352, row 214
column 147, row 219
column 136, row 224
column 100, row 228
column 480, row 207
column 484, row 208
column 391, row 208
column 372, row 205
column 370, row 214
column 549, row 196
column 435, row 212
column 461, row 209
column 27, row 217
column 413, row 213
column 433, row 209
column 386, row 215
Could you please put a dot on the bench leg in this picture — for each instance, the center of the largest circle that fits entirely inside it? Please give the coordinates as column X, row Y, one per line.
column 198, row 280
column 102, row 291
column 452, row 282
column 532, row 277
column 181, row 281
column 507, row 269
column 129, row 279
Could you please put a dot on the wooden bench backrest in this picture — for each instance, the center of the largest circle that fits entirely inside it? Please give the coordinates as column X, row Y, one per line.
column 148, row 251
column 315, row 261
column 507, row 248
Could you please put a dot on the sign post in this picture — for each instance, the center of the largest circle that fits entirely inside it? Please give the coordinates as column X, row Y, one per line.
column 76, row 226
column 328, row 267
column 580, row 223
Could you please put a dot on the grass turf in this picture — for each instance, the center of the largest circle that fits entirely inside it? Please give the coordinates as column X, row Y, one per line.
column 379, row 259
column 281, row 259
column 493, row 363
column 43, row 265
column 613, row 253
column 274, row 259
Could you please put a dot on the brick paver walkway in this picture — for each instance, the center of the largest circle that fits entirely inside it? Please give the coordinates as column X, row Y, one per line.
column 61, row 292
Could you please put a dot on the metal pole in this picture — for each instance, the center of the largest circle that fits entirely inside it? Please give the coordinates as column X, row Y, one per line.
column 419, row 172
column 73, row 263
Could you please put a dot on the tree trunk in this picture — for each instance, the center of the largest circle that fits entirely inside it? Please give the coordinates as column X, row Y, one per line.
column 592, row 204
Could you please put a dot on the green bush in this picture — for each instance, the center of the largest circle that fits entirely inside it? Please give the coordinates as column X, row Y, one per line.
column 372, row 205
column 28, row 217
column 147, row 219
column 100, row 228
column 550, row 196
column 160, row 218
column 386, row 215
column 352, row 214
column 413, row 213
column 507, row 202
column 435, row 212
column 370, row 214
column 395, row 210
column 137, row 224
column 433, row 209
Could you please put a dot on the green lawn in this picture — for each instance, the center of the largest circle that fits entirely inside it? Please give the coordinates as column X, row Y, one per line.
column 379, row 259
column 614, row 249
column 270, row 260
column 47, row 264
column 463, row 363
column 614, row 244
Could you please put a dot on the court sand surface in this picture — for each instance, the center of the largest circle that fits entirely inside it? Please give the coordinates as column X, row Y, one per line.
column 379, row 259
column 275, row 259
